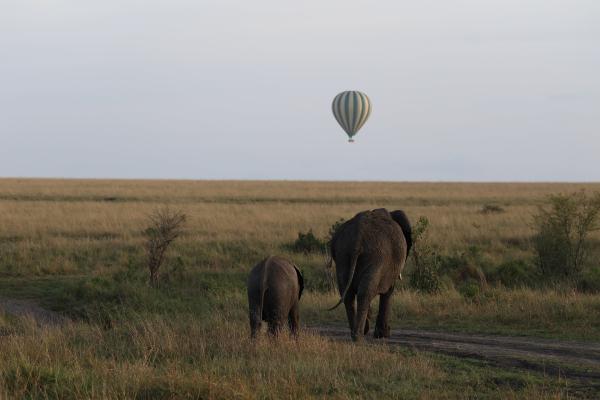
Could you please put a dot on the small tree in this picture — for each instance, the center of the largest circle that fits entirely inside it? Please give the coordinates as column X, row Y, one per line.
column 562, row 230
column 165, row 226
column 426, row 274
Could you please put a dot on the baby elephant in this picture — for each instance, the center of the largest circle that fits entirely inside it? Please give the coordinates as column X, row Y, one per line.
column 274, row 289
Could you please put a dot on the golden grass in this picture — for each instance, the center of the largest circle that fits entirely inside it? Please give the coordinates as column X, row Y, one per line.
column 171, row 189
column 156, row 357
column 180, row 358
column 74, row 213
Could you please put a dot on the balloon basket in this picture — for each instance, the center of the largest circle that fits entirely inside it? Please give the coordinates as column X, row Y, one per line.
column 350, row 140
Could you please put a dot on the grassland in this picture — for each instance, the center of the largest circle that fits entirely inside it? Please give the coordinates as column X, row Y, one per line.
column 76, row 248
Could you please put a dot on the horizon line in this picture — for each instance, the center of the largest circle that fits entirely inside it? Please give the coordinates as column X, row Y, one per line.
column 56, row 178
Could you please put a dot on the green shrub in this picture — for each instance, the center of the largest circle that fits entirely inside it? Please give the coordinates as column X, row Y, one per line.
column 562, row 230
column 515, row 273
column 470, row 290
column 449, row 263
column 590, row 281
column 308, row 243
column 464, row 268
column 425, row 276
column 491, row 209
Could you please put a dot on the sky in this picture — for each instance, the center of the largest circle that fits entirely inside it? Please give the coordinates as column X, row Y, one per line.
column 461, row 90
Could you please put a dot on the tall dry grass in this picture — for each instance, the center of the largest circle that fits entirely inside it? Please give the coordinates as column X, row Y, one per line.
column 100, row 216
column 159, row 357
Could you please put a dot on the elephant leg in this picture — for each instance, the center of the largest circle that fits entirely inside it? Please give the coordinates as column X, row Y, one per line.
column 367, row 290
column 275, row 327
column 350, row 304
column 294, row 320
column 367, row 322
column 382, row 327
column 278, row 317
column 255, row 316
column 255, row 325
column 362, row 310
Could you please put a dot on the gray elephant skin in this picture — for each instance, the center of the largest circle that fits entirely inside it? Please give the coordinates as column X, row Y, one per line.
column 369, row 252
column 275, row 286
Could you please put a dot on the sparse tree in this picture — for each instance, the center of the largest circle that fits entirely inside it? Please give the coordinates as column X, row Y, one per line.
column 165, row 225
column 425, row 276
column 562, row 230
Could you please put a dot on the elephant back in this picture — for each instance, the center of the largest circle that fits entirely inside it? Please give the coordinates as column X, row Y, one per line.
column 370, row 233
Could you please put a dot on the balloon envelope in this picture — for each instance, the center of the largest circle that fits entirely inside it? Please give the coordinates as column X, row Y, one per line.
column 351, row 109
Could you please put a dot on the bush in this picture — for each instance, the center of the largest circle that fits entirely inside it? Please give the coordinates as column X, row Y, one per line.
column 515, row 273
column 590, row 281
column 562, row 230
column 425, row 276
column 464, row 268
column 308, row 243
column 470, row 290
column 491, row 209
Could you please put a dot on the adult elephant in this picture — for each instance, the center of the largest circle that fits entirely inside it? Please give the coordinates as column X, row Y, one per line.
column 369, row 252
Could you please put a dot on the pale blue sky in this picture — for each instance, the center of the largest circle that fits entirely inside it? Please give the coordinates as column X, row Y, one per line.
column 461, row 90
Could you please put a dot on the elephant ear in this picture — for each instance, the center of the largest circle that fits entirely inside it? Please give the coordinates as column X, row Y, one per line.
column 401, row 219
column 300, row 281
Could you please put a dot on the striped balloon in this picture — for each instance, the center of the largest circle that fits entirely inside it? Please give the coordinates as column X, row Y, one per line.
column 351, row 110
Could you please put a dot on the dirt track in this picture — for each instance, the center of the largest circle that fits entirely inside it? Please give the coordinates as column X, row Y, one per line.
column 569, row 359
column 31, row 309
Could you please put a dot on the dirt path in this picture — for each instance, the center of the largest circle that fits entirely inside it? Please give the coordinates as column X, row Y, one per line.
column 29, row 308
column 570, row 359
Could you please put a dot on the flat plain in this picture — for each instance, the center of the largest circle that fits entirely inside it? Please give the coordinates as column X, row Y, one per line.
column 74, row 249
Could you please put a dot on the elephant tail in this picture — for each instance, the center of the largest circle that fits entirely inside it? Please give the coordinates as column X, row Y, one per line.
column 263, row 284
column 353, row 262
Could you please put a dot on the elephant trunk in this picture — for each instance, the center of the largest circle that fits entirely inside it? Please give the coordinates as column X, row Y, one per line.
column 350, row 277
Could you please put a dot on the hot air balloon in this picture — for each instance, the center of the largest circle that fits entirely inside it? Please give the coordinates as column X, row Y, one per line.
column 351, row 109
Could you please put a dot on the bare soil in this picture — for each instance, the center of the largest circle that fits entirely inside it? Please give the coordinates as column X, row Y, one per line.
column 579, row 361
column 29, row 308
